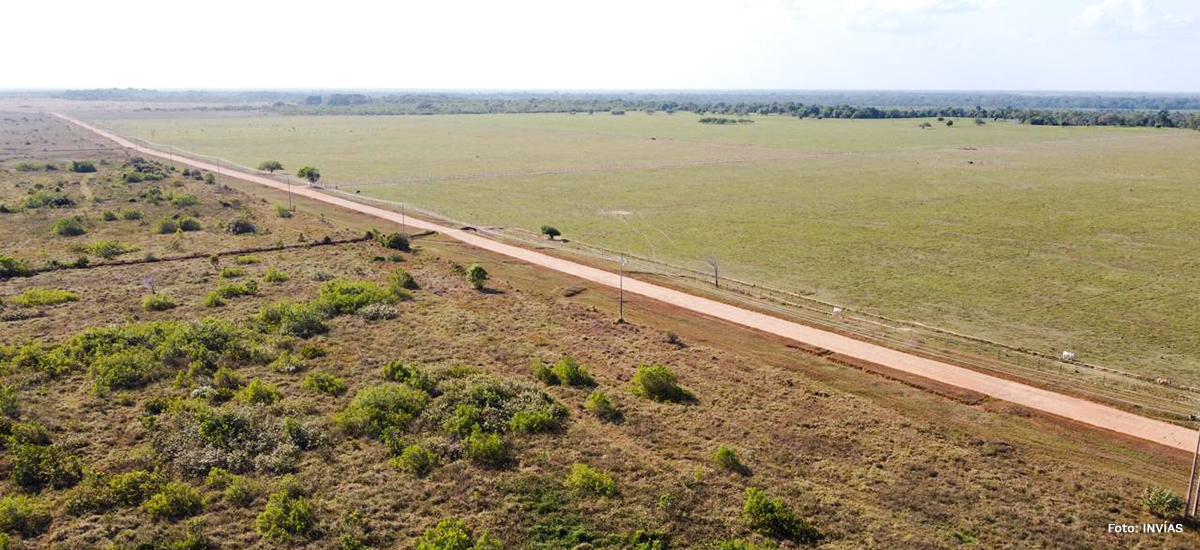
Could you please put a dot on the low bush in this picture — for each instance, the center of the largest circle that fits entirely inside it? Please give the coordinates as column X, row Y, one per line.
column 288, row 515
column 183, row 201
column 599, row 404
column 236, row 290
column 44, row 297
column 378, row 312
column 82, row 166
column 189, row 224
column 571, row 373
column 282, row 211
column 658, row 383
column 260, row 393
column 11, row 267
column 401, row 280
column 176, row 500
column 69, row 227
column 125, row 369
column 287, row 363
column 35, row 466
column 226, row 379
column 98, row 493
column 725, row 457
column 321, row 382
column 394, row 241
column 544, row 373
column 108, row 249
column 1162, row 502
column 376, row 409
column 158, row 302
column 43, row 199
column 166, row 225
column 275, row 276
column 301, row 320
column 737, row 544
column 130, row 214
column 476, row 276
column 548, row 418
column 241, row 226
column 452, row 534
column 416, row 460
column 232, row 272
column 246, row 260
column 311, row 351
column 242, row 491
column 585, row 479
column 340, row 296
column 770, row 517
column 486, row 449
column 109, row 216
column 195, row 438
column 23, row 515
column 409, row 375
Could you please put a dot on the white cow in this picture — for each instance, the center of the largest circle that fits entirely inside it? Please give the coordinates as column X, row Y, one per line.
column 837, row 311
column 1068, row 356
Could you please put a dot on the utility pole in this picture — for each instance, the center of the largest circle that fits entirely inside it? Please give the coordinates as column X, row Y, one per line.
column 621, row 295
column 402, row 220
column 291, row 206
column 1189, row 508
column 712, row 261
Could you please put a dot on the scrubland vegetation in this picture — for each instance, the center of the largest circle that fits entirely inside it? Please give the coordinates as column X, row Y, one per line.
column 318, row 398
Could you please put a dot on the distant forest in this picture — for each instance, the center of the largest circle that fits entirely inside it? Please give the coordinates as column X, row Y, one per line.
column 1037, row 108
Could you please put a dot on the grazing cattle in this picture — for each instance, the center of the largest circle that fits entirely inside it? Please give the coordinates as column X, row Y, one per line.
column 1068, row 356
column 837, row 311
column 1162, row 381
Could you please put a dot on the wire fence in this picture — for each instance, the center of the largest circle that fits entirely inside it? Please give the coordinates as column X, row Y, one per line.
column 1145, row 394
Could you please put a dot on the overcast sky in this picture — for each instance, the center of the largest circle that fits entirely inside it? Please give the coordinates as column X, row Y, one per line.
column 1150, row 45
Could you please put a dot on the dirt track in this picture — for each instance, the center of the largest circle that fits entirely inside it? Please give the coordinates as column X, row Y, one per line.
column 1073, row 408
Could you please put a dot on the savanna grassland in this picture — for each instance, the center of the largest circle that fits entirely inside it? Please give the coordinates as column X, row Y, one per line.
column 1049, row 238
column 351, row 395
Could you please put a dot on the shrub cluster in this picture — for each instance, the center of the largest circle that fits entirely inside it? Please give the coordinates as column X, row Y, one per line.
column 585, row 479
column 99, row 493
column 298, row 319
column 44, row 297
column 416, row 460
column 658, row 383
column 69, row 227
column 42, row 199
column 36, row 465
column 321, row 382
column 158, row 302
column 23, row 515
column 11, row 267
column 288, row 514
column 452, row 534
column 725, row 457
column 566, row 371
column 176, row 500
column 196, row 438
column 770, row 517
column 599, row 404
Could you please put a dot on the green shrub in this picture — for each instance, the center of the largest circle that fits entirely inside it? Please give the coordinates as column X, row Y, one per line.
column 571, row 373
column 544, row 373
column 409, row 375
column 226, row 379
column 213, row 299
column 232, row 273
column 585, row 479
column 259, row 392
column 394, row 241
column 401, row 280
column 44, row 297
column 194, row 438
column 416, row 460
column 36, row 466
column 287, row 363
column 237, row 290
column 476, row 276
column 100, row 494
column 288, row 515
column 725, row 457
column 189, row 224
column 130, row 214
column 241, row 226
column 341, row 296
column 325, row 383
column 82, row 166
column 23, row 515
column 275, row 276
column 770, row 517
column 11, row 267
column 166, row 225
column 376, row 409
column 27, row 167
column 550, row 231
column 108, row 249
column 293, row 319
column 548, row 418
column 69, row 227
column 642, row 539
column 246, row 260
column 282, row 211
column 660, row 384
column 183, row 201
column 209, row 178
column 311, row 351
column 133, row 488
column 125, row 369
column 109, row 216
column 157, row 302
column 452, row 534
column 599, row 404
column 464, row 420
column 176, row 500
column 47, row 200
column 242, row 490
column 1162, row 502
column 9, row 406
column 30, row 432
column 486, row 449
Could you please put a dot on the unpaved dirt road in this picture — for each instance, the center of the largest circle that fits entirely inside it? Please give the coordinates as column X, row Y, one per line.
column 1080, row 410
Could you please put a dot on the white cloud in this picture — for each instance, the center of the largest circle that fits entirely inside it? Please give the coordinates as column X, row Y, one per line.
column 901, row 16
column 1132, row 19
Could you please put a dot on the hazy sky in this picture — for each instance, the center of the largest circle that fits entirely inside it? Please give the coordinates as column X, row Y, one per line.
column 1148, row 45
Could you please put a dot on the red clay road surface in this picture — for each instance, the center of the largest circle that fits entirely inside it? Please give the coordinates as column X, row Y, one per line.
column 1080, row 410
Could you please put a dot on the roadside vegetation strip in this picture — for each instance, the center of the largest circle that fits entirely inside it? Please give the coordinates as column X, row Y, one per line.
column 1080, row 410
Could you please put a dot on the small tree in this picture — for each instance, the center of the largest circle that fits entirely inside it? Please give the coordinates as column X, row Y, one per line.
column 476, row 275
column 270, row 166
column 309, row 173
column 949, row 123
column 550, row 231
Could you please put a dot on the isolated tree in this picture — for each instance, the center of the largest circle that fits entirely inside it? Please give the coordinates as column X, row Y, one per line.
column 270, row 166
column 925, row 125
column 309, row 173
column 979, row 121
column 476, row 275
column 550, row 231
column 949, row 123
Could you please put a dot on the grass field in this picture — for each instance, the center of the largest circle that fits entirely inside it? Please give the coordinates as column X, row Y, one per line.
column 99, row 449
column 1050, row 238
